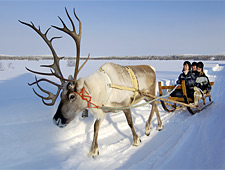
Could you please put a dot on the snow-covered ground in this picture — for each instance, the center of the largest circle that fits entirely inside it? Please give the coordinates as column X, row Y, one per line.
column 29, row 139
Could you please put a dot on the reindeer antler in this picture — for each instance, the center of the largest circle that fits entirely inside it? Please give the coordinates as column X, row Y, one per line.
column 50, row 95
column 75, row 36
column 55, row 66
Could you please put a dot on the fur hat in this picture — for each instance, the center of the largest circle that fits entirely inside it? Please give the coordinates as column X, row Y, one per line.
column 194, row 64
column 200, row 65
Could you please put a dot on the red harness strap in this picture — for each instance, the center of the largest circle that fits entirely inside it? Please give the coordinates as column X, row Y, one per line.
column 85, row 96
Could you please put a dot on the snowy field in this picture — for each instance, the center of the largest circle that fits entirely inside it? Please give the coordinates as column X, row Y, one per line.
column 29, row 139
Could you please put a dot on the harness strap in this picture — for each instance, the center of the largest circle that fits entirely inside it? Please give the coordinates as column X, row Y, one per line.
column 85, row 96
column 122, row 87
column 133, row 78
column 134, row 83
column 108, row 82
column 135, row 88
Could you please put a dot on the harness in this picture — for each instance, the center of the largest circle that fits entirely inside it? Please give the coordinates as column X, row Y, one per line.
column 134, row 80
column 85, row 95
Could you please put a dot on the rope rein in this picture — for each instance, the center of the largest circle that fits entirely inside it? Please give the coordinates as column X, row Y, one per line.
column 88, row 98
column 138, row 105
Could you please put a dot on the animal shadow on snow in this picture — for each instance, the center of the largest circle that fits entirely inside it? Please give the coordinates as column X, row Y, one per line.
column 16, row 89
column 115, row 126
column 16, row 92
column 136, row 116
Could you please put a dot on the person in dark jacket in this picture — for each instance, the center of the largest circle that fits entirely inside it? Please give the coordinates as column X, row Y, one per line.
column 189, row 78
column 202, row 83
column 194, row 68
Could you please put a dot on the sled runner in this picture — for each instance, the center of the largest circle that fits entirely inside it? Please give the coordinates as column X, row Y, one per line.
column 175, row 103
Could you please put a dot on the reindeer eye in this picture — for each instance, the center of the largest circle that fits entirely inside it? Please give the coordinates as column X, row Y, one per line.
column 71, row 97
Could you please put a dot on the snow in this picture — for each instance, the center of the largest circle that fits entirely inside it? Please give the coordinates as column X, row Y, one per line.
column 29, row 139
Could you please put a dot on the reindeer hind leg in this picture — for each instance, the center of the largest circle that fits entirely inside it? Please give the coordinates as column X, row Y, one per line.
column 148, row 123
column 136, row 140
column 160, row 124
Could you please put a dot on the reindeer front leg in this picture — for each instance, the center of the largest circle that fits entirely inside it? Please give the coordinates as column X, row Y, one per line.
column 94, row 147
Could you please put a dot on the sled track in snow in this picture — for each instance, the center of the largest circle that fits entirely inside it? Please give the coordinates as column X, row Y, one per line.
column 30, row 140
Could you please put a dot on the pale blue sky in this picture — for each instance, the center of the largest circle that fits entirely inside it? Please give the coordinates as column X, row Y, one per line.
column 117, row 28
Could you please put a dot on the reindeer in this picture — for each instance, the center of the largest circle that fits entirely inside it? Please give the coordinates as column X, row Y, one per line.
column 94, row 91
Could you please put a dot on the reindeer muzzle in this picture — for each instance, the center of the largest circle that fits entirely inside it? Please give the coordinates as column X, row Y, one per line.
column 59, row 122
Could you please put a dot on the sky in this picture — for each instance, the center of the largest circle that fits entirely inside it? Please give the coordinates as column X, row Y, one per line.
column 116, row 28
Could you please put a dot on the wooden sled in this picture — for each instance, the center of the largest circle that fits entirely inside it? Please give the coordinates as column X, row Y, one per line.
column 175, row 103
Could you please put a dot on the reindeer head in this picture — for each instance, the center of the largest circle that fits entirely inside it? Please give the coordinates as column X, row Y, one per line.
column 71, row 104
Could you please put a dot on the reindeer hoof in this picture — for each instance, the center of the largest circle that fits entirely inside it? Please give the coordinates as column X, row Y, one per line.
column 136, row 142
column 94, row 152
column 148, row 131
column 147, row 134
column 160, row 127
column 95, row 157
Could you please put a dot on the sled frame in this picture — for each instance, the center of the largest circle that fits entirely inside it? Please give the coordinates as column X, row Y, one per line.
column 172, row 105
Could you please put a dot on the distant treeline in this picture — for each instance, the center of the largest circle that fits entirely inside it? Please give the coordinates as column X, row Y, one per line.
column 171, row 57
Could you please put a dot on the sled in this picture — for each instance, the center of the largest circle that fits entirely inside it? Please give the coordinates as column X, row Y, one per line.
column 175, row 103
column 168, row 102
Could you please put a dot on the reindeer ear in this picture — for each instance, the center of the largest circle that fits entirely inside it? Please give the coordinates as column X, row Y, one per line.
column 70, row 77
column 79, row 84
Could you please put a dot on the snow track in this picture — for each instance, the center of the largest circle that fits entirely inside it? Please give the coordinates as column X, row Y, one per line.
column 29, row 140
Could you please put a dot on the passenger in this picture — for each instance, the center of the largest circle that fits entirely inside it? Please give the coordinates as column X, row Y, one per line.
column 202, row 82
column 189, row 78
column 194, row 67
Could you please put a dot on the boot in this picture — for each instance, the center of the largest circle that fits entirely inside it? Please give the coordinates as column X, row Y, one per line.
column 197, row 96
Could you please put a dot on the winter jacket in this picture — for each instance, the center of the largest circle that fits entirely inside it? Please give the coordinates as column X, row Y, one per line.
column 202, row 82
column 189, row 82
column 189, row 79
column 195, row 73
